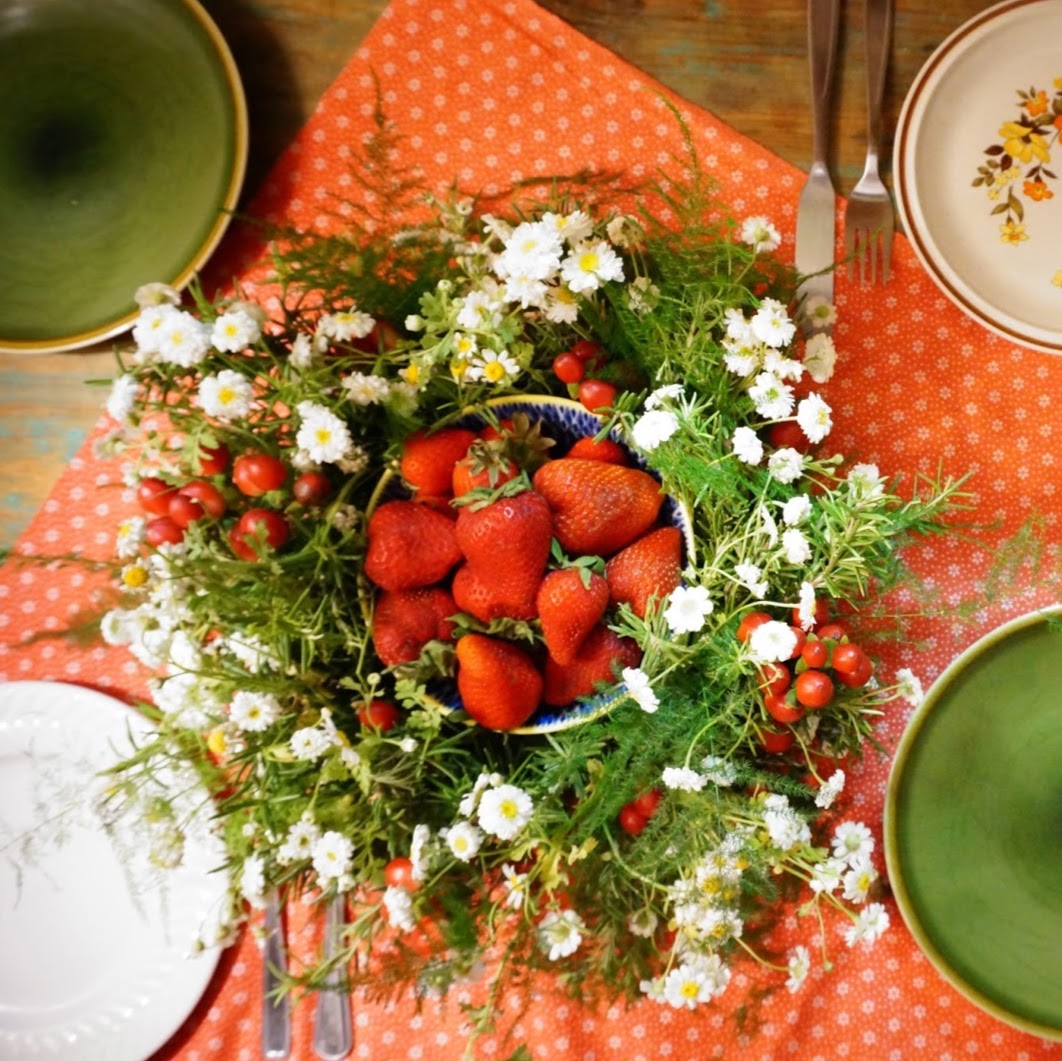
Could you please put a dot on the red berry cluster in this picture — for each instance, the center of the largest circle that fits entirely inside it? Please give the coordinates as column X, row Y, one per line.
column 575, row 367
column 634, row 816
column 824, row 658
column 217, row 486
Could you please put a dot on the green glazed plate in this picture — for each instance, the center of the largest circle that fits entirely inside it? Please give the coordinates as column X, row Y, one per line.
column 973, row 824
column 123, row 145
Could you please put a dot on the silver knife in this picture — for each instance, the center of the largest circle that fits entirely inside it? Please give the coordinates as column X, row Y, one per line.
column 276, row 1008
column 333, row 1036
column 817, row 209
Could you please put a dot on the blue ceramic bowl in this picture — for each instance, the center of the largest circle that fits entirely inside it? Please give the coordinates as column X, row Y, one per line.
column 564, row 421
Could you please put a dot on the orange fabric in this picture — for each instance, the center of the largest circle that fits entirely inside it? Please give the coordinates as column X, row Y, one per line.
column 489, row 91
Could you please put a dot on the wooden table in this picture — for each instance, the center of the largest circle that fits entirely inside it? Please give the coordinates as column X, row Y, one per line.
column 743, row 60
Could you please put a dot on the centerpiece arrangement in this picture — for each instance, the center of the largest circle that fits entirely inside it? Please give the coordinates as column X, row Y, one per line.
column 495, row 571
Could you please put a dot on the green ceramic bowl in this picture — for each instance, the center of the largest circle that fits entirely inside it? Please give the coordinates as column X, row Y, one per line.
column 973, row 824
column 123, row 143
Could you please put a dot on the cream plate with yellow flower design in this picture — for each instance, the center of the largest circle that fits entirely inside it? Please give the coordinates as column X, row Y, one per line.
column 977, row 167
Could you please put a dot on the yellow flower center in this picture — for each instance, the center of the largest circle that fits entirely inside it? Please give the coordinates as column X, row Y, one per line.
column 494, row 371
column 690, row 989
column 589, row 261
column 226, row 396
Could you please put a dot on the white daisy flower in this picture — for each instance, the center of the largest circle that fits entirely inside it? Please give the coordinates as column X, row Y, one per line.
column 299, row 842
column 799, row 967
column 771, row 324
column 515, row 887
column 345, row 325
column 322, row 436
column 813, row 416
column 235, row 330
column 806, row 605
column 130, row 537
column 768, row 528
column 122, row 399
column 857, row 881
column 637, row 682
column 786, row 464
column 865, row 482
column 687, row 609
column 332, row 855
column 527, row 291
column 796, row 510
column 156, row 294
column 252, row 880
column 852, row 840
column 910, row 688
column 562, row 305
column 683, row 779
column 493, row 366
column 796, row 546
column 820, row 312
column 760, row 235
column 504, row 811
column 533, row 250
column 481, row 309
column 309, row 743
column 365, row 389
column 572, row 228
column 226, row 396
column 740, row 360
column 695, row 981
column 589, row 264
column 654, row 427
column 772, row 642
column 830, row 789
column 150, row 324
column 398, row 903
column 826, row 876
column 869, row 926
column 783, row 367
column 747, row 445
column 643, row 923
column 772, row 397
column 560, row 933
column 181, row 338
column 751, row 577
column 470, row 800
column 302, row 354
column 820, row 357
column 418, row 851
column 254, row 712
column 670, row 392
column 464, row 840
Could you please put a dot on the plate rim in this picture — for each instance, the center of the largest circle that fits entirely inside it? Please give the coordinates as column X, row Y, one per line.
column 902, row 153
column 226, row 208
column 161, row 1019
column 894, row 872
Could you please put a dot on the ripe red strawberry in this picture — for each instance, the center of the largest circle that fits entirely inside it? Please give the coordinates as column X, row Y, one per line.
column 481, row 597
column 570, row 604
column 428, row 459
column 600, row 659
column 606, row 449
column 598, row 508
column 507, row 543
column 484, row 465
column 649, row 567
column 499, row 685
column 409, row 545
column 404, row 621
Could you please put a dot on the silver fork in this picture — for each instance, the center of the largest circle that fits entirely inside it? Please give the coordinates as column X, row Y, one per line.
column 868, row 218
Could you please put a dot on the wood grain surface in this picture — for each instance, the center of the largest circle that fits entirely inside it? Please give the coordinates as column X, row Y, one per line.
column 744, row 60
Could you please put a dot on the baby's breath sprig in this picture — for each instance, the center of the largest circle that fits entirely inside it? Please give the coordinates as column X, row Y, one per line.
column 645, row 851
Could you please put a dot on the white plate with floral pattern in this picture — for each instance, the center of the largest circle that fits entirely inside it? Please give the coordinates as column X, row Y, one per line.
column 978, row 170
column 96, row 943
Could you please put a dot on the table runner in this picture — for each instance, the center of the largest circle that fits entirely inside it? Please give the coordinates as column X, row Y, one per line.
column 492, row 91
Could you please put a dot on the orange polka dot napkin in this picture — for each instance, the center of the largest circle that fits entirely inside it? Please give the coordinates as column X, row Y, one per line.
column 488, row 92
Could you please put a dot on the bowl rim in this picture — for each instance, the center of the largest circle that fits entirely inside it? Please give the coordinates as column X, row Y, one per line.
column 226, row 208
column 890, row 826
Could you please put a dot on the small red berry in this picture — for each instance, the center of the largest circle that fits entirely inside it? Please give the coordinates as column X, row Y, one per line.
column 568, row 368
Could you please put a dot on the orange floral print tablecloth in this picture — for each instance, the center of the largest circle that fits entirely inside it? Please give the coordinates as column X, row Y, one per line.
column 493, row 91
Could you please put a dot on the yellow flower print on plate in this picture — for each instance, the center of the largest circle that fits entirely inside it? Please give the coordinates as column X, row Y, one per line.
column 1016, row 167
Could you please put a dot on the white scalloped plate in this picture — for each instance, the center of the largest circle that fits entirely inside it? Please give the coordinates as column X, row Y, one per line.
column 96, row 956
column 956, row 109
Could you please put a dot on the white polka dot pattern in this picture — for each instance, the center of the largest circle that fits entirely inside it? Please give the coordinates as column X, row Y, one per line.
column 494, row 91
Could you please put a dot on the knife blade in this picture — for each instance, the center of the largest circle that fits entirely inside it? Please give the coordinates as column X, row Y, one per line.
column 817, row 208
